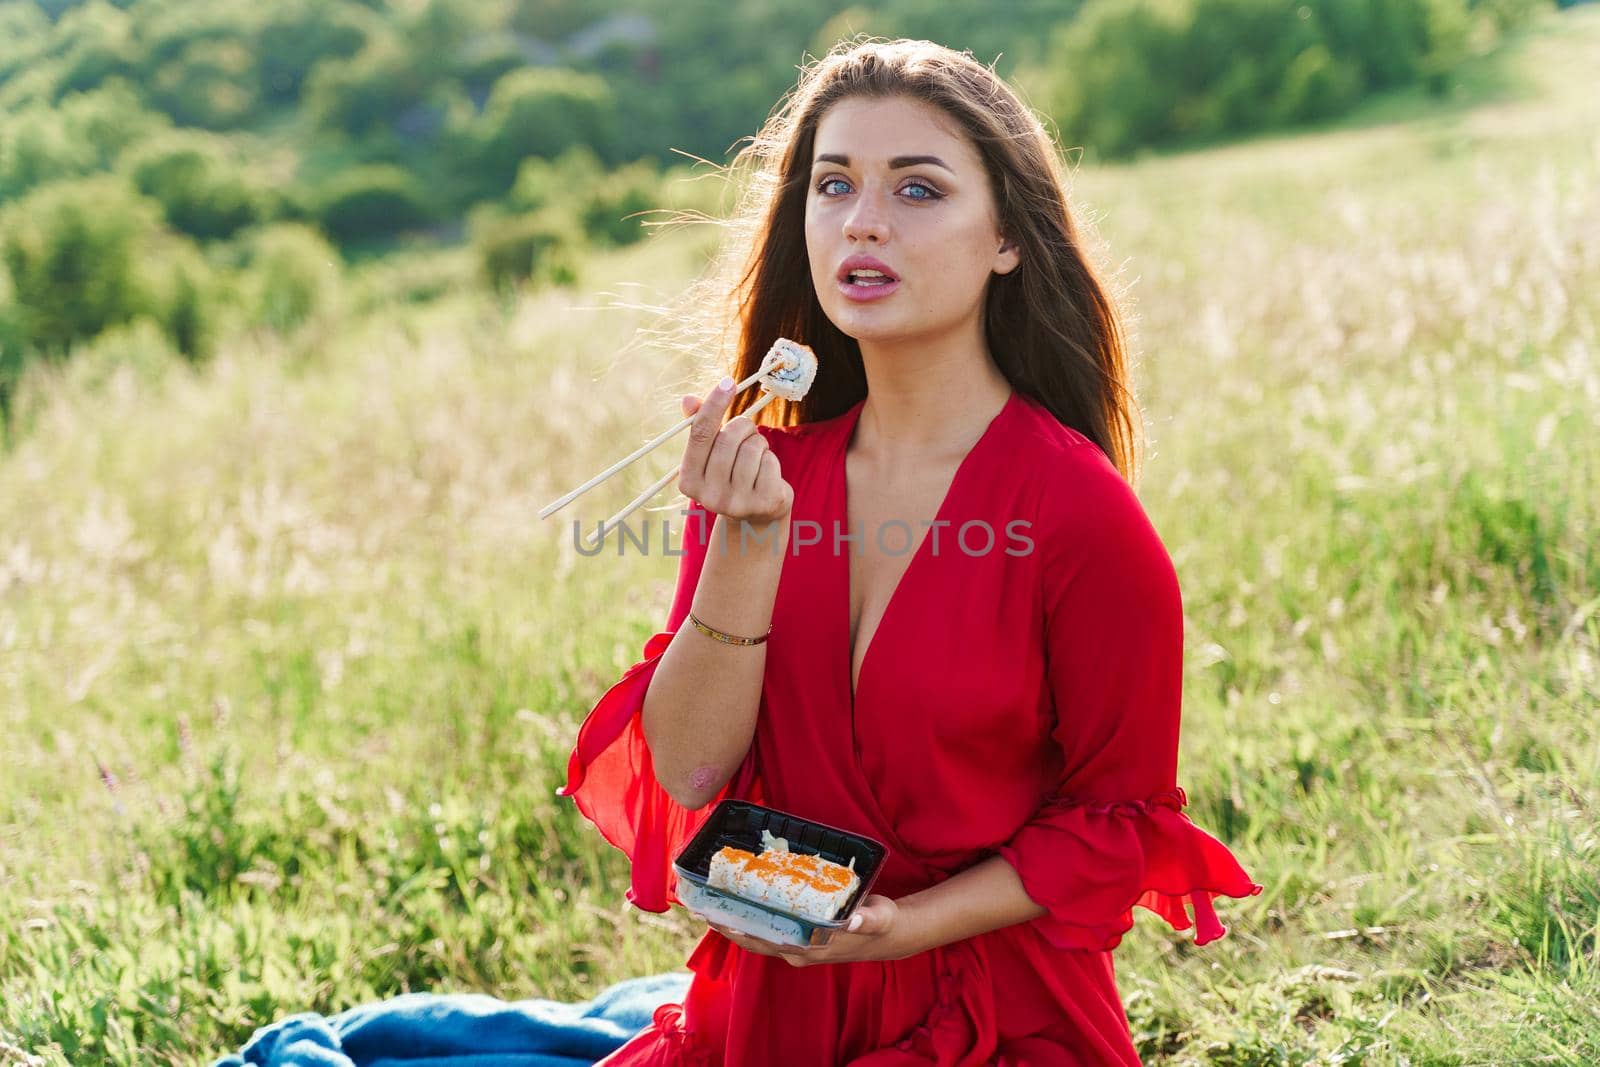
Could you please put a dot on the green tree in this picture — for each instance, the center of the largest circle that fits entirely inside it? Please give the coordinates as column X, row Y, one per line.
column 194, row 178
column 36, row 147
column 556, row 20
column 512, row 248
column 1115, row 87
column 24, row 33
column 372, row 201
column 73, row 251
column 1316, row 85
column 543, row 112
column 354, row 96
column 93, row 42
column 211, row 84
column 183, row 288
column 83, row 134
column 442, row 29
column 297, row 35
column 605, row 204
column 293, row 274
column 1130, row 73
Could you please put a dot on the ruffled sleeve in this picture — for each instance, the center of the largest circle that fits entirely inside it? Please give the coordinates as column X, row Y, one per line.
column 610, row 774
column 1111, row 834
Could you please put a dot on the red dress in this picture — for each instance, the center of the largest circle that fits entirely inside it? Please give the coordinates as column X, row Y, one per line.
column 1019, row 698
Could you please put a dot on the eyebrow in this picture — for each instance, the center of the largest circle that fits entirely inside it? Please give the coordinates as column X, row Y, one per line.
column 897, row 163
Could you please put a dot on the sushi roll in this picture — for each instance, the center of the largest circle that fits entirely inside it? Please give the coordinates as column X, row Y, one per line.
column 791, row 369
column 796, row 882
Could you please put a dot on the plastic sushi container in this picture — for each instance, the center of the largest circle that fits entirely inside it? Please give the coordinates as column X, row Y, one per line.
column 740, row 823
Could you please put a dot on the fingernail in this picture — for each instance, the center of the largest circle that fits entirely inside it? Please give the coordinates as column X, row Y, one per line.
column 855, row 922
column 726, row 385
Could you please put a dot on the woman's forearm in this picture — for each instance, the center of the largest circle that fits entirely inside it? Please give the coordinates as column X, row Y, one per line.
column 699, row 713
column 986, row 896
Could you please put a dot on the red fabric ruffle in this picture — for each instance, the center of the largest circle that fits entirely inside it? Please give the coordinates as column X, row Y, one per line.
column 611, row 777
column 1091, row 863
column 664, row 1042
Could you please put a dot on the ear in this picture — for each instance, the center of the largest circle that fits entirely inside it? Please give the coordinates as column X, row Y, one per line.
column 1008, row 258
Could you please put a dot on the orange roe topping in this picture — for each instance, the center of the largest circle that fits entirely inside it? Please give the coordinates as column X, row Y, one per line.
column 814, row 871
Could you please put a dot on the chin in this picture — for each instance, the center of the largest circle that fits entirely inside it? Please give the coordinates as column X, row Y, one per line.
column 882, row 329
column 870, row 331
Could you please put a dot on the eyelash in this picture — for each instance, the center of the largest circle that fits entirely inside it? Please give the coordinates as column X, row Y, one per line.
column 934, row 194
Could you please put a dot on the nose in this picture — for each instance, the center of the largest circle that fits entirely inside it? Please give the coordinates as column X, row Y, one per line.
column 866, row 221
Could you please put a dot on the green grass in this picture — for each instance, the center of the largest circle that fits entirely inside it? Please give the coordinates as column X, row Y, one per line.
column 289, row 668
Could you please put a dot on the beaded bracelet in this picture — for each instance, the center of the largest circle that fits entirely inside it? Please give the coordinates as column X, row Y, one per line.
column 726, row 638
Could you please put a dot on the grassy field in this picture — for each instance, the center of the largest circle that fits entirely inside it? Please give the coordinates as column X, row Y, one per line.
column 289, row 669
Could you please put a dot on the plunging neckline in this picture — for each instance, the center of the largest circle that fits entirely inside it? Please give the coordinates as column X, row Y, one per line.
column 852, row 679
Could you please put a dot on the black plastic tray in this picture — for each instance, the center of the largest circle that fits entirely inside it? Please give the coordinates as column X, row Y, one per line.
column 739, row 823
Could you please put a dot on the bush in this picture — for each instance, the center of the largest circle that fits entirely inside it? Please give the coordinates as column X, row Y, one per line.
column 111, row 118
column 1315, row 86
column 1130, row 73
column 36, row 147
column 354, row 96
column 200, row 188
column 443, row 29
column 375, row 200
column 140, row 348
column 542, row 112
column 24, row 29
column 210, row 84
column 613, row 213
column 516, row 248
column 95, row 42
column 295, row 37
column 1447, row 42
column 85, row 133
column 1117, row 89
column 183, row 288
column 1240, row 52
column 293, row 275
column 73, row 251
column 1506, row 15
column 413, row 276
column 544, row 184
column 13, row 351
column 599, row 202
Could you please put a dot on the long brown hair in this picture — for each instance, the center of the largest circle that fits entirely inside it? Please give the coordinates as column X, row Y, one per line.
column 1051, row 324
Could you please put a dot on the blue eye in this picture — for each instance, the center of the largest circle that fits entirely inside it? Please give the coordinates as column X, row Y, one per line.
column 928, row 191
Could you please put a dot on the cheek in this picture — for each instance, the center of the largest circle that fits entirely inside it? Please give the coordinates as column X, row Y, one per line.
column 818, row 255
column 960, row 260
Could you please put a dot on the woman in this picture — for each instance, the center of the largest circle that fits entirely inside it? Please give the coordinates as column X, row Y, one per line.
column 1000, row 704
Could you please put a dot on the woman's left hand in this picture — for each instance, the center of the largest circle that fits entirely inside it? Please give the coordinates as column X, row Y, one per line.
column 886, row 932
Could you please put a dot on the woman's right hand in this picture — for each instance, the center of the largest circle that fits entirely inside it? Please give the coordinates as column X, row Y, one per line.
column 728, row 468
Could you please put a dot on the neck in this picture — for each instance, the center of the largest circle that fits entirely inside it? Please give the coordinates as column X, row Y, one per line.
column 928, row 400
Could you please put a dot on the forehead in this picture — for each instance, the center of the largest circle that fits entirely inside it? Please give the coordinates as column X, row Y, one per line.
column 873, row 130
